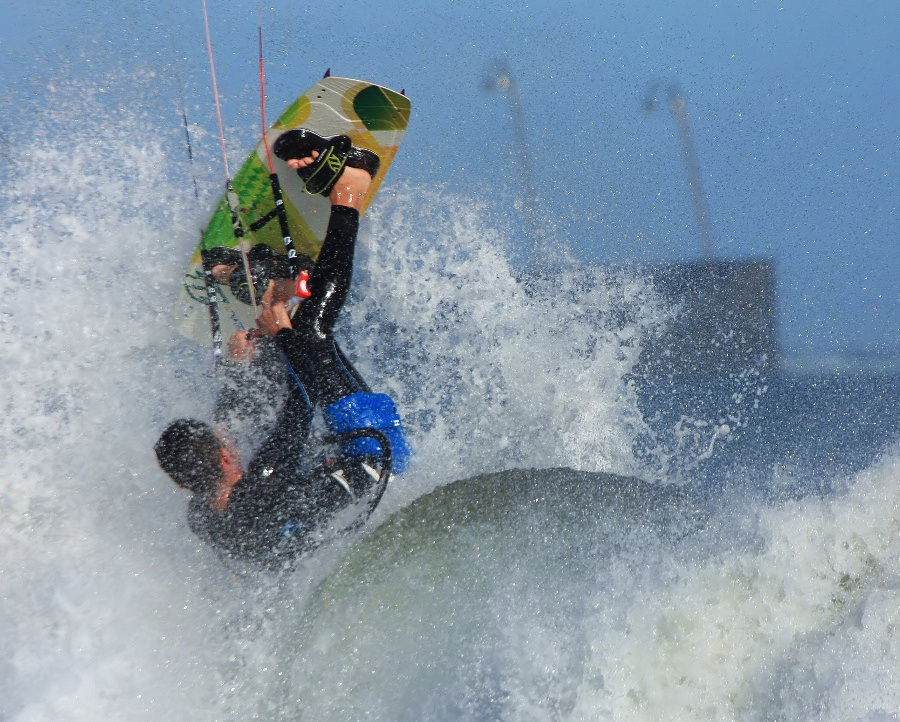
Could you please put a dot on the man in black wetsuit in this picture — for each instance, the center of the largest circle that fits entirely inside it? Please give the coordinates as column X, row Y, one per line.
column 280, row 505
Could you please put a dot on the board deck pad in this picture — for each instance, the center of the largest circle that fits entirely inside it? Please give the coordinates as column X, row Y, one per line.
column 374, row 117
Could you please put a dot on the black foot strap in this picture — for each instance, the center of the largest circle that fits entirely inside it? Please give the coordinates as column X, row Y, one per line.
column 319, row 177
column 334, row 153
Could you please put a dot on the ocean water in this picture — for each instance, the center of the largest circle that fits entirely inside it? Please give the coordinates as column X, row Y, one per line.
column 781, row 601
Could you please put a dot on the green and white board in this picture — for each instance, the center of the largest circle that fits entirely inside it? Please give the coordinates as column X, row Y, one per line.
column 374, row 117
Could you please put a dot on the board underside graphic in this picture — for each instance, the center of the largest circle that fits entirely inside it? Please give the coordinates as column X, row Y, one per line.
column 374, row 117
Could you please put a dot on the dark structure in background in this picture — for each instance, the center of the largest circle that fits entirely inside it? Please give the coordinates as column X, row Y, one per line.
column 722, row 312
column 722, row 318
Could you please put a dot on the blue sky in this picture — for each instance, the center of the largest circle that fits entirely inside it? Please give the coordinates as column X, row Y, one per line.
column 795, row 108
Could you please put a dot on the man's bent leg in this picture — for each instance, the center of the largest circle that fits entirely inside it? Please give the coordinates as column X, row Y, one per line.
column 331, row 277
column 320, row 367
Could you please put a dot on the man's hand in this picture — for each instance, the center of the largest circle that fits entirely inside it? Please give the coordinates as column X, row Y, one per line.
column 274, row 316
column 241, row 346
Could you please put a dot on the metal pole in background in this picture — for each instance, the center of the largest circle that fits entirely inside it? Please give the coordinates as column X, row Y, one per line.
column 678, row 106
column 500, row 79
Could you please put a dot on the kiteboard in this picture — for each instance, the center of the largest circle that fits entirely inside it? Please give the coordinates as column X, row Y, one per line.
column 373, row 116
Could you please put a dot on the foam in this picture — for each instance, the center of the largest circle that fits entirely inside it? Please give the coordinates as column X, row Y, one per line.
column 112, row 610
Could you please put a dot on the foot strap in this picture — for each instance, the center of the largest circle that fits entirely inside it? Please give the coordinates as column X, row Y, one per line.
column 334, row 154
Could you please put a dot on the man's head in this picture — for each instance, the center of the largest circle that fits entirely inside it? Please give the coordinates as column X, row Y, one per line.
column 190, row 452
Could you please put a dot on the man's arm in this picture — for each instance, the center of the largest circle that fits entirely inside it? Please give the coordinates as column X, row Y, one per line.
column 253, row 386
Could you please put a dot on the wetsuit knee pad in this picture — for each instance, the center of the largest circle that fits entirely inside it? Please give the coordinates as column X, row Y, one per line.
column 363, row 410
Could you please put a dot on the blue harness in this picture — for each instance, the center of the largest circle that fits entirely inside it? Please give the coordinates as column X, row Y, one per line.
column 363, row 410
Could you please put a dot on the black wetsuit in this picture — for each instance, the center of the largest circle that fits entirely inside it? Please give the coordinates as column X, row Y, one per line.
column 281, row 504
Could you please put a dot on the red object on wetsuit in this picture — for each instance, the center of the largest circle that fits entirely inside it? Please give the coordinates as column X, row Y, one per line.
column 302, row 290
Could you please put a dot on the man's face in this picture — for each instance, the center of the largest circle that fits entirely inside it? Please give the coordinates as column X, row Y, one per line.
column 230, row 449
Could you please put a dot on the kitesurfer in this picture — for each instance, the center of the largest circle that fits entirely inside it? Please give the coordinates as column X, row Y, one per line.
column 287, row 495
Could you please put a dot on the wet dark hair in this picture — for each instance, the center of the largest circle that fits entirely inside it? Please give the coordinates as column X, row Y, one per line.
column 188, row 451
